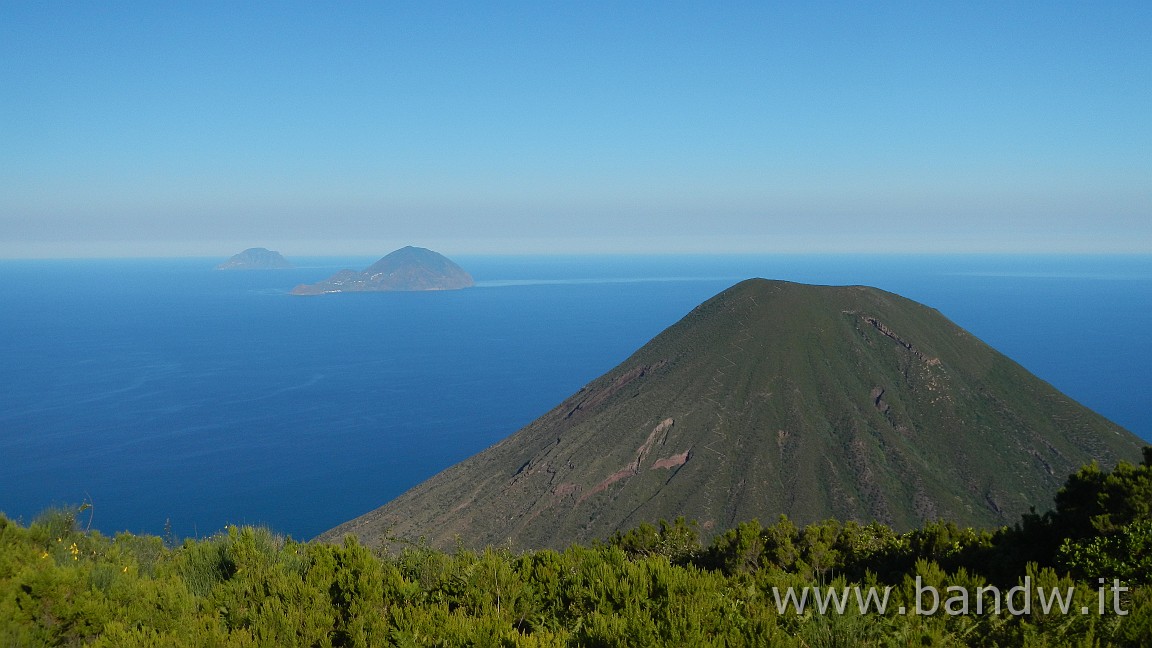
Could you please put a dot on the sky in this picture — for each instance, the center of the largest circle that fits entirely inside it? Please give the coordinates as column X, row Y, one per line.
column 202, row 128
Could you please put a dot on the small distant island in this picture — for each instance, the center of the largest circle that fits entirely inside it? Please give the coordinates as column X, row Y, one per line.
column 407, row 269
column 256, row 259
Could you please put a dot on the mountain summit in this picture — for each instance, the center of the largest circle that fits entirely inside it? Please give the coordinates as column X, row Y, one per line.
column 772, row 398
column 256, row 259
column 409, row 268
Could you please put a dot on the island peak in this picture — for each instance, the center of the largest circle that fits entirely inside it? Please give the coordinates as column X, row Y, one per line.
column 408, row 269
column 256, row 259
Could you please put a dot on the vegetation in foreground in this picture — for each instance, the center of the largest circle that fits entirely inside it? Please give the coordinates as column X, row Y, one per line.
column 62, row 586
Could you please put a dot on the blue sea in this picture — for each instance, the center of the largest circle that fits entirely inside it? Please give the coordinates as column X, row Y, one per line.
column 165, row 392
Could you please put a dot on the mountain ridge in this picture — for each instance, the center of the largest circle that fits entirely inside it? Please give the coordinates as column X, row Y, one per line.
column 771, row 398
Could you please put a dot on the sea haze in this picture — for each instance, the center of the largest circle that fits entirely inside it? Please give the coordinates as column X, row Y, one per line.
column 162, row 390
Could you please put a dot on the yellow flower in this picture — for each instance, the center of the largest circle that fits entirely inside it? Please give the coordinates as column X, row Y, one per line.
column 44, row 555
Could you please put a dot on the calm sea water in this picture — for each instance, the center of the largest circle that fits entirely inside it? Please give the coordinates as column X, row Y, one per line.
column 162, row 390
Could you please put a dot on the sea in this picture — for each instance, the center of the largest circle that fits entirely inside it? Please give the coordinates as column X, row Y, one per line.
column 175, row 399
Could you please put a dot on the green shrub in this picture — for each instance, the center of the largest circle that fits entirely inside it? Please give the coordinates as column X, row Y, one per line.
column 654, row 585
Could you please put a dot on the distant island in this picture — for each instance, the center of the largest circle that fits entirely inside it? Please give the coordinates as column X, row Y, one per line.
column 407, row 269
column 256, row 259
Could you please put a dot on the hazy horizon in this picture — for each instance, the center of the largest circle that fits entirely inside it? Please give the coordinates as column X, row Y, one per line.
column 80, row 251
column 200, row 129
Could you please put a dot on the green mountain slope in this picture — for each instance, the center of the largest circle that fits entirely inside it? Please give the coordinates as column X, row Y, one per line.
column 772, row 398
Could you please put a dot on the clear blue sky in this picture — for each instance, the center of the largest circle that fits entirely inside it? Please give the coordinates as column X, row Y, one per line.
column 158, row 128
